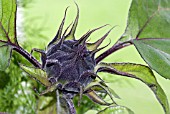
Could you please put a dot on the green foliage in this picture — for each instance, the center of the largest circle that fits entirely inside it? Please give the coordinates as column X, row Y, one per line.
column 36, row 74
column 16, row 95
column 156, row 52
column 148, row 19
column 5, row 56
column 144, row 74
column 7, row 30
column 7, row 17
column 46, row 105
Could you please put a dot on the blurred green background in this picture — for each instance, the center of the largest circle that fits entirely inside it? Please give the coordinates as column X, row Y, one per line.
column 41, row 19
column 47, row 15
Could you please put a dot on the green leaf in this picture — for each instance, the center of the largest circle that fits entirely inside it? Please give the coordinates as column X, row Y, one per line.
column 8, row 20
column 148, row 19
column 116, row 110
column 46, row 105
column 5, row 56
column 37, row 74
column 156, row 52
column 44, row 102
column 142, row 73
column 7, row 30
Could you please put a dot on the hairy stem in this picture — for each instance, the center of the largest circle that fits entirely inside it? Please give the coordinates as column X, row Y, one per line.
column 114, row 48
column 3, row 41
column 27, row 55
column 71, row 106
column 64, row 103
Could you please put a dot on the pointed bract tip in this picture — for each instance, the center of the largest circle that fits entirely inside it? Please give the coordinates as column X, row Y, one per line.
column 76, row 5
column 97, row 50
column 86, row 36
column 95, row 45
column 70, row 35
column 58, row 35
column 64, row 34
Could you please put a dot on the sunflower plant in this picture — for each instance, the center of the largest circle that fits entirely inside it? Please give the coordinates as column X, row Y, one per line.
column 68, row 70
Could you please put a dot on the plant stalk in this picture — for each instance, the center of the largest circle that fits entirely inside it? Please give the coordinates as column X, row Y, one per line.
column 114, row 48
column 71, row 106
column 27, row 55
